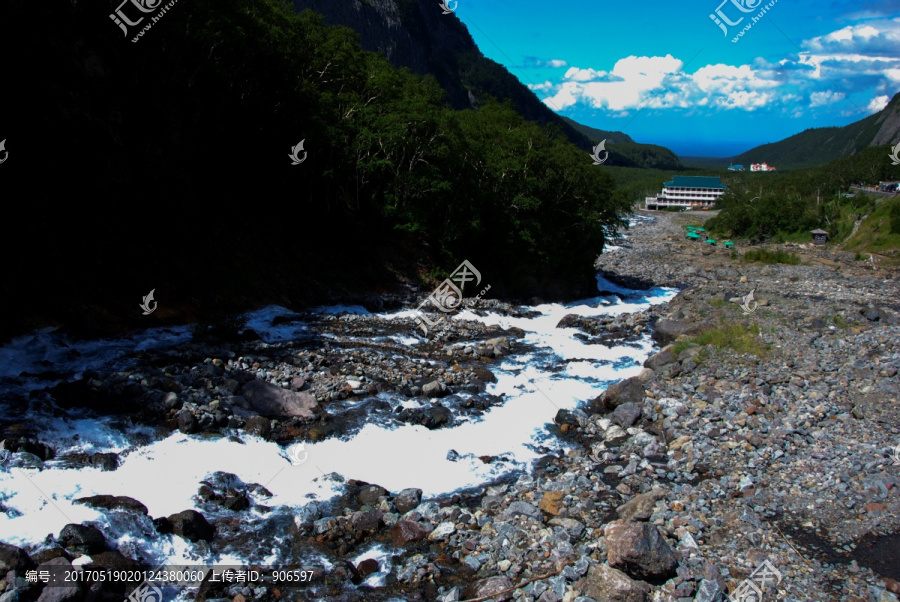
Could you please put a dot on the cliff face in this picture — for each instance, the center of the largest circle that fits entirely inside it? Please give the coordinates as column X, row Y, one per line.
column 888, row 123
column 417, row 35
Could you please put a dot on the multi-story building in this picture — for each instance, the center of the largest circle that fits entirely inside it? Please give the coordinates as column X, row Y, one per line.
column 761, row 167
column 689, row 192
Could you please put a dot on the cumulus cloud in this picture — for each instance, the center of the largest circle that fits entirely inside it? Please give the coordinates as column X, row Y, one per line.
column 818, row 99
column 864, row 56
column 878, row 103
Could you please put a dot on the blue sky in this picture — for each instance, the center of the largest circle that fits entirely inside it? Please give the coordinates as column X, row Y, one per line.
column 666, row 73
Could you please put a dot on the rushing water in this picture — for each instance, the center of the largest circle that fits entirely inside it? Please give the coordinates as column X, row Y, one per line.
column 164, row 474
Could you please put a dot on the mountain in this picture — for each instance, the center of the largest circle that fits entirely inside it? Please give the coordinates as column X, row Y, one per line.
column 596, row 135
column 417, row 35
column 818, row 146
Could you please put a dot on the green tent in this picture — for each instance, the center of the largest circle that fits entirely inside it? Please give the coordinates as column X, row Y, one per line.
column 728, row 243
column 699, row 230
column 711, row 241
column 692, row 228
column 693, row 236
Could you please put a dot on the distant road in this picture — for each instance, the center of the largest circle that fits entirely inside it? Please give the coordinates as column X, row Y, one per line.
column 872, row 190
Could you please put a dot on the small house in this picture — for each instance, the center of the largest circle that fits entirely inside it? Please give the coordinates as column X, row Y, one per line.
column 819, row 236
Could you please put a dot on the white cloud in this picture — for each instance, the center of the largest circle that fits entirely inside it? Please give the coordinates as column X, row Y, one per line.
column 878, row 103
column 817, row 99
column 831, row 67
column 556, row 63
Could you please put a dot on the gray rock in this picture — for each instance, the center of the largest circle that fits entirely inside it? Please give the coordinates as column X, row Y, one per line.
column 435, row 389
column 523, row 509
column 630, row 390
column 626, row 414
column 666, row 331
column 709, row 591
column 59, row 593
column 83, row 539
column 660, row 359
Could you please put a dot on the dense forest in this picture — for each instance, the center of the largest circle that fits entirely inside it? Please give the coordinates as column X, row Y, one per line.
column 177, row 173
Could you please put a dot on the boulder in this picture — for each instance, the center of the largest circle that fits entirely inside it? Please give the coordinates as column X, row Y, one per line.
column 370, row 494
column 640, row 551
column 272, row 401
column 626, row 414
column 610, row 585
column 83, row 539
column 630, row 390
column 13, row 559
column 666, row 331
column 191, row 525
column 435, row 389
column 113, row 502
column 407, row 500
column 406, row 531
column 660, row 359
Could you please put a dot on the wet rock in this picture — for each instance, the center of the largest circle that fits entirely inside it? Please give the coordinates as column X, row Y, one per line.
column 406, row 531
column 367, row 567
column 630, row 390
column 258, row 425
column 626, row 414
column 82, row 539
column 640, row 551
column 435, row 389
column 13, row 558
column 272, row 401
column 610, row 585
column 490, row 588
column 407, row 500
column 186, row 422
column 191, row 525
column 568, row 321
column 113, row 502
column 370, row 495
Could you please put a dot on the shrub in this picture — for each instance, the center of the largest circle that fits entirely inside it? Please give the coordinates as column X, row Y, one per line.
column 770, row 257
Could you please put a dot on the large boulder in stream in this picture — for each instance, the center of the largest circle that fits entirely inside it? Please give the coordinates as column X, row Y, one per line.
column 191, row 525
column 273, row 401
column 630, row 390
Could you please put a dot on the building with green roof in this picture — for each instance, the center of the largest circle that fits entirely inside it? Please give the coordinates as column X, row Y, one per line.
column 688, row 192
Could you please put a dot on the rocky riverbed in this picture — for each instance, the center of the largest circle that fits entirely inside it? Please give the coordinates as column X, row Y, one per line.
column 747, row 437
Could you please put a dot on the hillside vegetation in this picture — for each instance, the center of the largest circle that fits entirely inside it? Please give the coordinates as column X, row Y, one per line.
column 190, row 129
column 818, row 146
column 786, row 206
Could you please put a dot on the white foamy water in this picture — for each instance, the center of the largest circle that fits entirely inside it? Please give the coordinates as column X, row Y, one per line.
column 165, row 474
